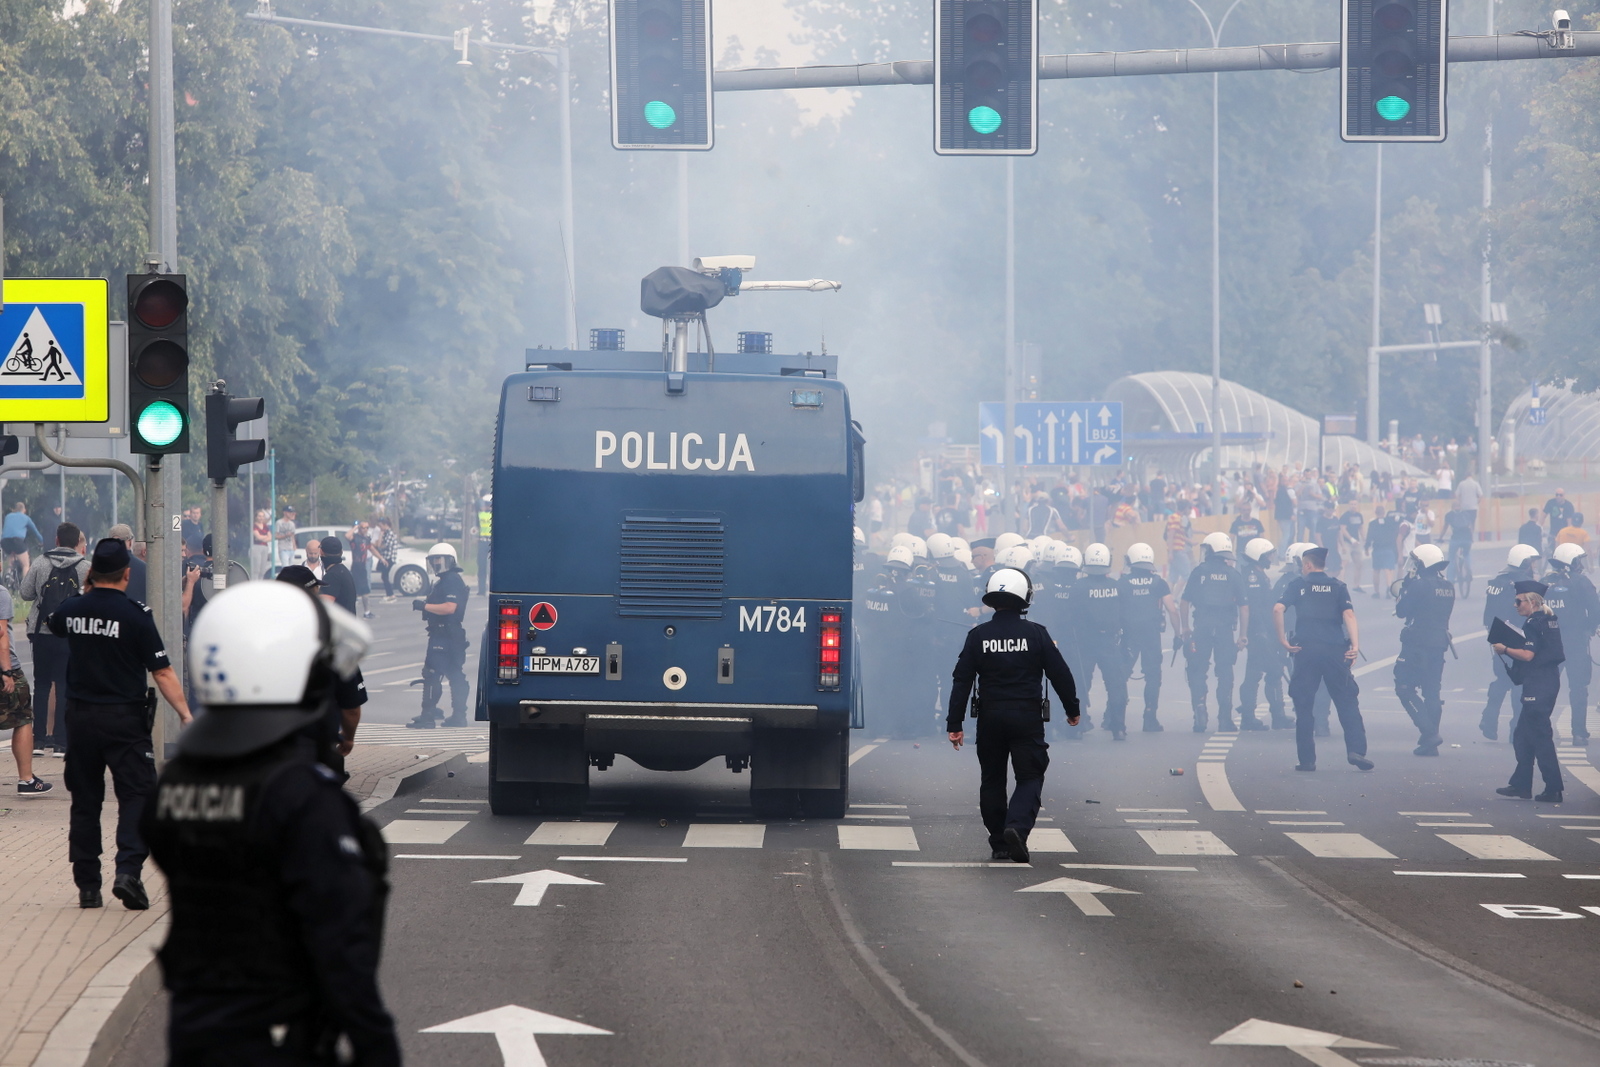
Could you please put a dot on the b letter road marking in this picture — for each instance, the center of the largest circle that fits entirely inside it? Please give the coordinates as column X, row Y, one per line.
column 879, row 838
column 1495, row 847
column 724, row 835
column 1340, row 846
column 421, row 831
column 1185, row 843
column 572, row 834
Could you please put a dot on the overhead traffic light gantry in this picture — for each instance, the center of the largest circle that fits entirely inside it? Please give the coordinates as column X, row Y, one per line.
column 1392, row 70
column 661, row 74
column 986, row 78
column 158, row 363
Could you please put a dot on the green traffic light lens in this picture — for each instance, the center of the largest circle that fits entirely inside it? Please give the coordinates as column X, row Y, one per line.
column 160, row 424
column 1393, row 108
column 660, row 114
column 984, row 119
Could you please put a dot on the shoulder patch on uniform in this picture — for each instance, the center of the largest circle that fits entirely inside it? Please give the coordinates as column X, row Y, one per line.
column 349, row 846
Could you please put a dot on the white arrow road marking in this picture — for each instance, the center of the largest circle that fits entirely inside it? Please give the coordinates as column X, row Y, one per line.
column 1050, row 449
column 514, row 1028
column 1076, row 421
column 1080, row 893
column 1314, row 1045
column 534, row 883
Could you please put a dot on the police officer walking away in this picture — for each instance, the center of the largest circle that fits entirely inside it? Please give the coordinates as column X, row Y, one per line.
column 1008, row 656
column 1326, row 641
column 1148, row 604
column 1537, row 668
column 1263, row 665
column 1572, row 597
column 443, row 610
column 1498, row 596
column 1096, row 604
column 112, row 642
column 278, row 884
column 1217, row 595
column 1426, row 599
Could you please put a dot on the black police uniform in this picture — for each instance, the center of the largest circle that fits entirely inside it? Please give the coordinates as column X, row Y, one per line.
column 1320, row 705
column 952, row 596
column 1097, row 607
column 1052, row 600
column 886, row 650
column 1008, row 657
column 1498, row 594
column 1572, row 597
column 1144, row 593
column 927, row 650
column 1532, row 739
column 1216, row 592
column 1425, row 603
column 112, row 644
column 340, row 583
column 278, row 887
column 1263, row 664
column 1320, row 601
column 447, row 649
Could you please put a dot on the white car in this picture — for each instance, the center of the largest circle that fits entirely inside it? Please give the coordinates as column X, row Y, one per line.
column 409, row 573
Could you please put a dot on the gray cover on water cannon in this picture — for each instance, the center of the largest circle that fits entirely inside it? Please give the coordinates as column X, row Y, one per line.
column 678, row 292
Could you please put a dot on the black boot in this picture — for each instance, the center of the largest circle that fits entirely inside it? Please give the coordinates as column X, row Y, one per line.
column 1152, row 725
column 1225, row 723
column 1201, row 718
column 426, row 721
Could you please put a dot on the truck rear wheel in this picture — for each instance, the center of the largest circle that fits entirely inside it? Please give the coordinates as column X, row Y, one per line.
column 800, row 774
column 530, row 798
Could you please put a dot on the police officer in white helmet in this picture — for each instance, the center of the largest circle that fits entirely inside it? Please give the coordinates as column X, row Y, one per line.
column 1149, row 607
column 1426, row 600
column 1499, row 594
column 1008, row 658
column 1263, row 665
column 1216, row 594
column 277, row 882
column 444, row 610
column 1572, row 596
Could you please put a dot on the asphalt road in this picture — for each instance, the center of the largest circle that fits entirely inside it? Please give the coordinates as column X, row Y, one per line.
column 1348, row 904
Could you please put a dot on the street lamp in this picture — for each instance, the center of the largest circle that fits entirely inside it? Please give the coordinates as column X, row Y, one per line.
column 1216, row 269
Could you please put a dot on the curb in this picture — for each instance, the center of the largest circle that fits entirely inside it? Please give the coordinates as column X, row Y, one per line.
column 94, row 1028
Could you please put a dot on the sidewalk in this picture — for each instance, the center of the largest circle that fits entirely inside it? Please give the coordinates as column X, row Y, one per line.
column 57, row 951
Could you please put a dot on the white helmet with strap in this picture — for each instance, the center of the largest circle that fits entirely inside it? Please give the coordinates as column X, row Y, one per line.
column 941, row 546
column 1070, row 556
column 1219, row 544
column 1521, row 556
column 1427, row 556
column 1567, row 554
column 902, row 555
column 1017, row 557
column 1008, row 588
column 1097, row 555
column 1257, row 549
column 919, row 547
column 1007, row 540
column 1140, row 554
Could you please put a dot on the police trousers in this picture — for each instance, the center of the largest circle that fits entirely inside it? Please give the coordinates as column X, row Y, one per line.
column 1418, row 675
column 1499, row 686
column 1014, row 735
column 1580, row 672
column 1532, row 738
column 1211, row 641
column 1103, row 652
column 1263, row 667
column 1316, row 665
column 1144, row 649
column 253, row 1047
column 446, row 655
column 102, row 736
column 49, row 677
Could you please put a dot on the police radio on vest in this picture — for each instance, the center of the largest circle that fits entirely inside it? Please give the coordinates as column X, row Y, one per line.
column 688, row 451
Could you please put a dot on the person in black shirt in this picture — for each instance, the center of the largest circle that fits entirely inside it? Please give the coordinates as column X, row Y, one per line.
column 112, row 646
column 1217, row 596
column 1008, row 657
column 1264, row 659
column 1426, row 601
column 1560, row 511
column 1326, row 642
column 1531, row 533
column 1096, row 602
column 1537, row 667
column 1148, row 606
column 1572, row 597
column 1328, row 529
column 339, row 586
column 1499, row 595
column 444, row 608
column 1383, row 542
column 1245, row 528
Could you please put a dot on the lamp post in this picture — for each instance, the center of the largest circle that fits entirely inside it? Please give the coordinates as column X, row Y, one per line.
column 1216, row 267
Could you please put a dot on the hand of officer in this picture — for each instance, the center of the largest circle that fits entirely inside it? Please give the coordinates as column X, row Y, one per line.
column 1291, row 648
column 1351, row 653
column 956, row 737
column 1242, row 642
column 1072, row 720
column 1497, row 647
column 417, row 605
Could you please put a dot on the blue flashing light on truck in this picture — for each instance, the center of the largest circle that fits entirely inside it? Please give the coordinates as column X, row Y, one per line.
column 672, row 578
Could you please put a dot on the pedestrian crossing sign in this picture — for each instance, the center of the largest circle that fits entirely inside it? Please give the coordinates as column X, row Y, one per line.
column 53, row 350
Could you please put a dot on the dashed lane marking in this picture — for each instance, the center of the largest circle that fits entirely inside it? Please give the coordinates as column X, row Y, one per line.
column 582, row 834
column 1213, row 780
column 960, row 863
column 1126, row 867
column 1583, row 877
column 1185, row 843
column 420, row 831
column 1495, row 847
column 621, row 859
column 1465, row 825
column 1263, row 811
column 876, row 815
column 1569, row 816
column 447, row 856
column 1154, row 811
column 879, row 838
column 725, row 835
column 1049, row 839
column 1166, row 822
column 1341, row 846
column 1461, row 874
column 1438, row 814
column 861, row 752
column 1302, row 822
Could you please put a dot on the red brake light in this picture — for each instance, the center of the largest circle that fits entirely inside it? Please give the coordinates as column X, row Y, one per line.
column 510, row 640
column 832, row 617
column 831, row 639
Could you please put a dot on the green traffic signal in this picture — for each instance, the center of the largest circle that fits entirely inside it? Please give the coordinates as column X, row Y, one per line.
column 160, row 424
column 1393, row 108
column 659, row 114
column 984, row 119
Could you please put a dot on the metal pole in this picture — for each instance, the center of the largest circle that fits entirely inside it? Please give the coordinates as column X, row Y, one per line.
column 1216, row 305
column 1486, row 354
column 564, row 66
column 1008, row 450
column 163, row 153
column 219, row 535
column 272, row 510
column 683, row 209
column 1377, row 304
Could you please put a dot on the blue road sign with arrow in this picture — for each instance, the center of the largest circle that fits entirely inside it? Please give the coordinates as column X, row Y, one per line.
column 1085, row 433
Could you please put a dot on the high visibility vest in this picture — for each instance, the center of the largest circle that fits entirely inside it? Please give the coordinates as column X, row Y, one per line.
column 485, row 523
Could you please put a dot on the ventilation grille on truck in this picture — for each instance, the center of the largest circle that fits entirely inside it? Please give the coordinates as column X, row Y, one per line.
column 671, row 567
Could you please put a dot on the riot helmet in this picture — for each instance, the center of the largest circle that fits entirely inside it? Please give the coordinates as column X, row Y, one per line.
column 1258, row 550
column 1141, row 555
column 1009, row 589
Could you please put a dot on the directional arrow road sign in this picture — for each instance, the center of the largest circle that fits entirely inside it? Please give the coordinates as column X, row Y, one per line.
column 514, row 1028
column 1080, row 893
column 1314, row 1045
column 1053, row 433
column 534, row 883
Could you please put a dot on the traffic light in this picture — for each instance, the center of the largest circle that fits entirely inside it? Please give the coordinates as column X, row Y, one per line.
column 224, row 453
column 158, row 363
column 661, row 74
column 1392, row 70
column 986, row 78
column 10, row 445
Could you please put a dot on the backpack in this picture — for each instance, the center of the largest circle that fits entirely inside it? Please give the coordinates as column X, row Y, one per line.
column 58, row 588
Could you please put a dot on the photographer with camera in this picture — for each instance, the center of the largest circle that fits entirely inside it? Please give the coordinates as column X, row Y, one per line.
column 197, row 581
